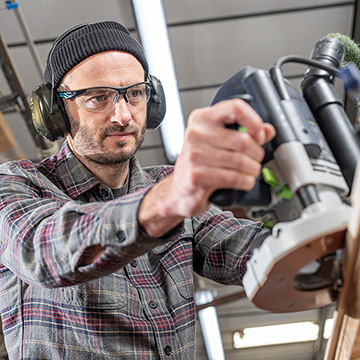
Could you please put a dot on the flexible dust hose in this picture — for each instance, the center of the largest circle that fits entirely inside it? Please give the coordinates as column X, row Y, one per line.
column 335, row 50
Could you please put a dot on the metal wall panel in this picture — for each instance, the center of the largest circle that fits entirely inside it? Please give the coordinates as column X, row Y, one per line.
column 199, row 10
column 209, row 53
column 48, row 18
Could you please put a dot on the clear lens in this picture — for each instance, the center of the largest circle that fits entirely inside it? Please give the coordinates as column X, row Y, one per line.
column 104, row 99
column 97, row 99
column 138, row 94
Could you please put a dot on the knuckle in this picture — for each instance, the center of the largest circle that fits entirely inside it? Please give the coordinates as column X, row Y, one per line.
column 241, row 141
column 239, row 162
column 233, row 180
column 196, row 115
column 193, row 115
column 261, row 153
column 194, row 155
column 196, row 177
column 249, row 182
column 241, row 181
column 191, row 135
column 257, row 168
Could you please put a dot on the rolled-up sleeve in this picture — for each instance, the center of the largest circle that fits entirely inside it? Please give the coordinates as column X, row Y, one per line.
column 223, row 245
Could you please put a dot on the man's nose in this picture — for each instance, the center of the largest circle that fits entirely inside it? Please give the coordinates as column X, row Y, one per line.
column 121, row 113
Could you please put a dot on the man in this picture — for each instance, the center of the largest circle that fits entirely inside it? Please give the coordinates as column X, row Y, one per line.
column 97, row 253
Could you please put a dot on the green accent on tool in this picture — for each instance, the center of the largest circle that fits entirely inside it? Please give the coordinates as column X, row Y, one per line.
column 270, row 179
column 269, row 224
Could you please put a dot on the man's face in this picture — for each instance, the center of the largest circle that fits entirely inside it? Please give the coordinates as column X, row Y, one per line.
column 112, row 136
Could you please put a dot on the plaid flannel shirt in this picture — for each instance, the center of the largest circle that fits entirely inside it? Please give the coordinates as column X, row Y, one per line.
column 136, row 301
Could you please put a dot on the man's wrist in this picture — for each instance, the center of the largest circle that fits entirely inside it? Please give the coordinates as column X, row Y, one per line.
column 155, row 214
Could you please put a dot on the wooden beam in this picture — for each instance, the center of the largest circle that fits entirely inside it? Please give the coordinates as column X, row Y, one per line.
column 344, row 342
column 9, row 148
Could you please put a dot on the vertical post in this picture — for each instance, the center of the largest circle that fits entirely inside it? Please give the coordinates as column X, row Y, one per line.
column 29, row 39
column 9, row 148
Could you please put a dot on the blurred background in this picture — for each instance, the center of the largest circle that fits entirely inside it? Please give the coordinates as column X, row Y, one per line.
column 210, row 40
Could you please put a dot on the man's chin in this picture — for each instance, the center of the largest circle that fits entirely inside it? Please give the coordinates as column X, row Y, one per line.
column 112, row 155
column 107, row 159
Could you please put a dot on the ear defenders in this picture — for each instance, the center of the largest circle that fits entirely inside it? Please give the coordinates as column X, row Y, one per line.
column 48, row 111
column 156, row 106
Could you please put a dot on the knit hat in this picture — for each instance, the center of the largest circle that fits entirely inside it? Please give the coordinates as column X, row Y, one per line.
column 82, row 41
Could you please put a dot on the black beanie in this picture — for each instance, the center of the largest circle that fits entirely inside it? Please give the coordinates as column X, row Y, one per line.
column 82, row 41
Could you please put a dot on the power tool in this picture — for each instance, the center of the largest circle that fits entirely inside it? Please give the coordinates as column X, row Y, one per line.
column 303, row 195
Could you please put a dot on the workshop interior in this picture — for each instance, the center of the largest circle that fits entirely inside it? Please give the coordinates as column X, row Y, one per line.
column 296, row 63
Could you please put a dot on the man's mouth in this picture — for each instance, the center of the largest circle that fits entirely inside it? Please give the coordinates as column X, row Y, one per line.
column 119, row 135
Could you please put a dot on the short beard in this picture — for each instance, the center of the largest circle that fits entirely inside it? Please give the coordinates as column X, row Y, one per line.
column 103, row 157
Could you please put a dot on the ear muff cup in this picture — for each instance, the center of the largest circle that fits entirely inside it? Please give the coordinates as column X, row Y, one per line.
column 49, row 119
column 156, row 107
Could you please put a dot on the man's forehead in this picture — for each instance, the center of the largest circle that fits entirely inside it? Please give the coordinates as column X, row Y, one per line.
column 105, row 65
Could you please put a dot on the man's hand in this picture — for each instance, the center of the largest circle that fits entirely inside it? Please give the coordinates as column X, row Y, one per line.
column 213, row 157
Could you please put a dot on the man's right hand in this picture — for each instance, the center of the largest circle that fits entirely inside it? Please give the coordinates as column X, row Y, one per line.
column 213, row 157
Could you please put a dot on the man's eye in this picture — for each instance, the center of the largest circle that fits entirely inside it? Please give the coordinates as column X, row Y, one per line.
column 97, row 101
column 99, row 98
column 135, row 93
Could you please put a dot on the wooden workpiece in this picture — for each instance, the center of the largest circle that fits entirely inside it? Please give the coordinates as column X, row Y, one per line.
column 344, row 343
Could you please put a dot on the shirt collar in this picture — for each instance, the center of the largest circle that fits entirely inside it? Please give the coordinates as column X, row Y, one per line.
column 77, row 179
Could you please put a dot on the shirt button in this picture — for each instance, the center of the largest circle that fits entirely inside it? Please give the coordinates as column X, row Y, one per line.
column 121, row 236
column 153, row 304
column 105, row 193
column 167, row 350
column 133, row 263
